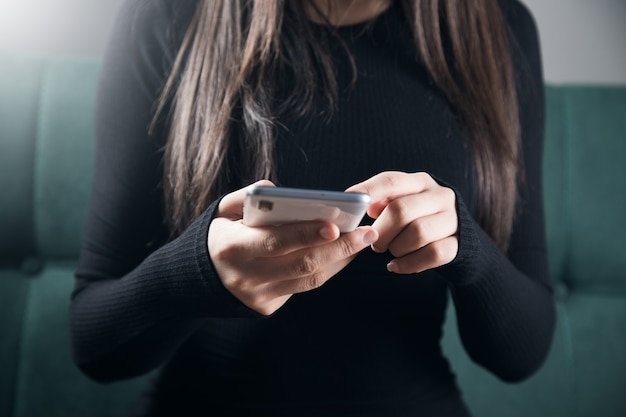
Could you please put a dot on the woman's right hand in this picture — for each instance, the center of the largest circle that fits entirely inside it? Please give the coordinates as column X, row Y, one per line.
column 264, row 266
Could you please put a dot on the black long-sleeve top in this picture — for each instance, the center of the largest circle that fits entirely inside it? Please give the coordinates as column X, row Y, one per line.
column 368, row 341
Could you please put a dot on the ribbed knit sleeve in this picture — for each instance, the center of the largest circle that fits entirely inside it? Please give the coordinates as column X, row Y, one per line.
column 505, row 316
column 125, row 326
column 136, row 298
column 504, row 303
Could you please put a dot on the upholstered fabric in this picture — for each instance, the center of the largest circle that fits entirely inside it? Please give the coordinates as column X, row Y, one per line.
column 46, row 119
column 20, row 82
column 63, row 157
column 47, row 383
column 13, row 295
column 46, row 106
column 585, row 200
column 585, row 153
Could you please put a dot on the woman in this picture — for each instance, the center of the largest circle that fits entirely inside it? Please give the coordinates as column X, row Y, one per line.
column 434, row 108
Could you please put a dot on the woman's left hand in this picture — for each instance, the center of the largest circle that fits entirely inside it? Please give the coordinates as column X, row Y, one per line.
column 416, row 219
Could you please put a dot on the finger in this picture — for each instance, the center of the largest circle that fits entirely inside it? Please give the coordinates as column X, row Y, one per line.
column 313, row 260
column 401, row 214
column 271, row 281
column 231, row 205
column 423, row 231
column 239, row 241
column 388, row 186
column 312, row 270
column 286, row 288
column 273, row 241
column 433, row 255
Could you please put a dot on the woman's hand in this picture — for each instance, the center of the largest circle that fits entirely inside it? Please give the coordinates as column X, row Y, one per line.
column 416, row 219
column 264, row 266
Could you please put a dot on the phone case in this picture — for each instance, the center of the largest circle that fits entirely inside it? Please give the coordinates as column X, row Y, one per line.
column 270, row 206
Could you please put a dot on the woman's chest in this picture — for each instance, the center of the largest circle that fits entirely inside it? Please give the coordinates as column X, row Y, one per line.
column 393, row 119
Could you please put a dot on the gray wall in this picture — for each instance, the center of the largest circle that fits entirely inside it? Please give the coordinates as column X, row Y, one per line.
column 56, row 26
column 584, row 41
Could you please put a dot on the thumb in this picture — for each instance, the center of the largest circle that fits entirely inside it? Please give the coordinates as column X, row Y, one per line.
column 231, row 205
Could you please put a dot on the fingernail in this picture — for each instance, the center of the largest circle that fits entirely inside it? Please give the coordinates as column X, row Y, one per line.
column 327, row 233
column 392, row 266
column 370, row 237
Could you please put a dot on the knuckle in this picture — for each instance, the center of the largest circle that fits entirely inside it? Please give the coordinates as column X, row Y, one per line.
column 389, row 179
column 399, row 209
column 452, row 223
column 224, row 252
column 438, row 252
column 420, row 230
column 306, row 265
column 415, row 237
column 441, row 252
column 312, row 282
column 272, row 244
column 426, row 178
column 259, row 299
column 303, row 235
column 346, row 248
column 237, row 285
column 423, row 180
column 220, row 249
column 449, row 196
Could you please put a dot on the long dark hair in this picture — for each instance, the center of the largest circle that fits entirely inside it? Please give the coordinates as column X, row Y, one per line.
column 227, row 64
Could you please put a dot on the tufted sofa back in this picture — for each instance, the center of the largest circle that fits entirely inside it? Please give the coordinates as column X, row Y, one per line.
column 585, row 182
column 46, row 146
column 46, row 159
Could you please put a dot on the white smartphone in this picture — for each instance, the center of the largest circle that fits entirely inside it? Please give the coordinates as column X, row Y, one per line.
column 270, row 206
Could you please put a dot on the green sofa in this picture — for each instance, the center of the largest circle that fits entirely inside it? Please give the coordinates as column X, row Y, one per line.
column 46, row 106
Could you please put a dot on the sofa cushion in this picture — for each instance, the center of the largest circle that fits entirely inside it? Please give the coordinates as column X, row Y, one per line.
column 48, row 383
column 486, row 395
column 597, row 323
column 14, row 288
